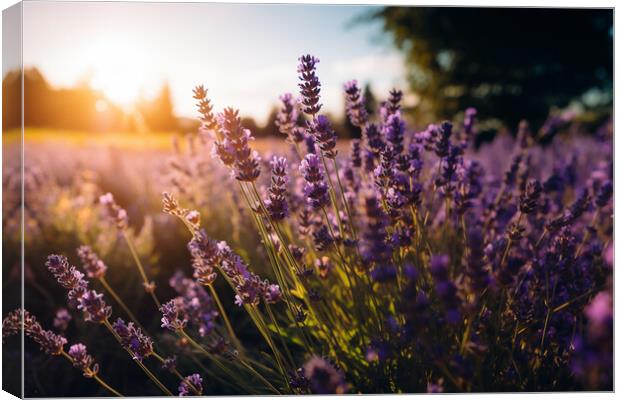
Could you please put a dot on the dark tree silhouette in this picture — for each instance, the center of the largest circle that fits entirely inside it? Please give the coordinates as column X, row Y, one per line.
column 510, row 63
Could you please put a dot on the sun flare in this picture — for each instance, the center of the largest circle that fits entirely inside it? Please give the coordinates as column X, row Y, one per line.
column 115, row 71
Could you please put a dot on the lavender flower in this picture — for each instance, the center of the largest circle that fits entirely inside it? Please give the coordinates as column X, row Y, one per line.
column 133, row 339
column 322, row 238
column 374, row 139
column 170, row 363
column 62, row 319
column 315, row 188
column 604, row 194
column 374, row 246
column 324, row 135
column 310, row 87
column 234, row 150
column 249, row 287
column 205, row 257
column 117, row 214
column 324, row 378
column 392, row 105
column 19, row 319
column 286, row 119
column 82, row 360
column 469, row 120
column 194, row 303
column 442, row 142
column 94, row 307
column 205, row 108
column 394, row 131
column 67, row 276
column 356, row 156
column 193, row 381
column 445, row 288
column 172, row 317
column 276, row 204
column 94, row 267
column 529, row 199
column 355, row 108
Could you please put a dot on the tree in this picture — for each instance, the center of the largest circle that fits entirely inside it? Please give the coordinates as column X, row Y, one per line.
column 159, row 112
column 509, row 63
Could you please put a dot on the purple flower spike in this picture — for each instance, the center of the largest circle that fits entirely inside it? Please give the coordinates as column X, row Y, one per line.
column 234, row 150
column 205, row 257
column 324, row 378
column 529, row 200
column 17, row 320
column 82, row 360
column 114, row 211
column 192, row 382
column 315, row 188
column 286, row 119
column 604, row 194
column 62, row 319
column 324, row 135
column 171, row 316
column 67, row 276
column 133, row 339
column 94, row 307
column 94, row 267
column 276, row 204
column 355, row 108
column 310, row 87
column 469, row 120
column 205, row 108
column 194, row 303
column 394, row 131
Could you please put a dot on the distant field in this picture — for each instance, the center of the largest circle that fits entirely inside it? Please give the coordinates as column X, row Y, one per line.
column 128, row 140
column 123, row 140
column 155, row 140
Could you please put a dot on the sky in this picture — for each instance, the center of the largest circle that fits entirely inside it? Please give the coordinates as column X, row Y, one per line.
column 246, row 55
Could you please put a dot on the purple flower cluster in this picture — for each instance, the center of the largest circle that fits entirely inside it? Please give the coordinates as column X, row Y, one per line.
column 94, row 267
column 19, row 319
column 173, row 317
column 67, row 276
column 323, row 377
column 234, row 150
column 315, row 189
column 62, row 319
column 310, row 87
column 286, row 119
column 205, row 257
column 191, row 384
column 94, row 307
column 194, row 303
column 82, row 360
column 355, row 104
column 276, row 204
column 250, row 288
column 132, row 339
column 117, row 214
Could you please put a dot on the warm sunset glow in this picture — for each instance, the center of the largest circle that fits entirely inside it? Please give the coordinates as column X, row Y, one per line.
column 113, row 70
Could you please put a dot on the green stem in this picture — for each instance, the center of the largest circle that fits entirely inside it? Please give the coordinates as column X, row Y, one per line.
column 140, row 364
column 89, row 372
column 145, row 279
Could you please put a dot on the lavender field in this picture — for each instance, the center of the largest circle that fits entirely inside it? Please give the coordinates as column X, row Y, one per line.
column 407, row 261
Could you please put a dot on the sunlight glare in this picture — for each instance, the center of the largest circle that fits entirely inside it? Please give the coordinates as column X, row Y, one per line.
column 116, row 71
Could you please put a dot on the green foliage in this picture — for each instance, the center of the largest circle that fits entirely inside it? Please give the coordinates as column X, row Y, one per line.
column 508, row 63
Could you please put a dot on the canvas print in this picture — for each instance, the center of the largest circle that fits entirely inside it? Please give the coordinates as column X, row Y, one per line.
column 209, row 199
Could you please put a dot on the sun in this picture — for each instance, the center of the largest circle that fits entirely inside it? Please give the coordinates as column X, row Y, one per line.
column 116, row 70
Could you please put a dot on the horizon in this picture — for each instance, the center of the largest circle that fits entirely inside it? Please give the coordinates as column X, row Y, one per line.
column 122, row 50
